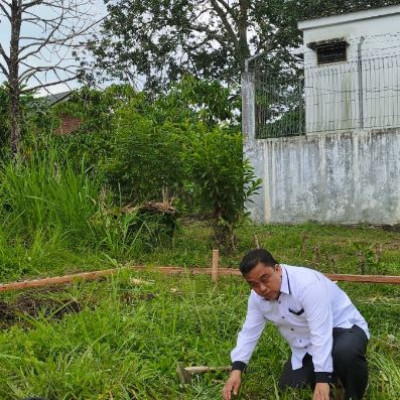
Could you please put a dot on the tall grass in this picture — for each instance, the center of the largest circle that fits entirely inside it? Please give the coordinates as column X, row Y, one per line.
column 46, row 195
column 52, row 216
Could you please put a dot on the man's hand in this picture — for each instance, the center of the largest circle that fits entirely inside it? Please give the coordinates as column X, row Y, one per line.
column 232, row 385
column 321, row 391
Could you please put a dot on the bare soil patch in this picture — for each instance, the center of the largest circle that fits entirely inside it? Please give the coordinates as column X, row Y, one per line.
column 32, row 305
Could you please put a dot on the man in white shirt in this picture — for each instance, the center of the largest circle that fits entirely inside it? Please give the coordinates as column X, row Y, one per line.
column 326, row 333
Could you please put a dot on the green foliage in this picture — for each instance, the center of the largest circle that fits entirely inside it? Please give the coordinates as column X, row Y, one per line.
column 144, row 157
column 35, row 116
column 133, row 138
column 45, row 212
column 177, row 145
column 160, row 40
column 200, row 100
column 52, row 215
column 96, row 108
column 180, row 144
column 223, row 182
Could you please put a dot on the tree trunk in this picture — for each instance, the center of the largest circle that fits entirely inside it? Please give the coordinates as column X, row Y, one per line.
column 15, row 113
column 244, row 51
column 15, row 106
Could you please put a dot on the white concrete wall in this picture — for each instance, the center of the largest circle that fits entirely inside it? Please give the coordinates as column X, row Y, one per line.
column 348, row 95
column 344, row 178
column 373, row 22
column 351, row 175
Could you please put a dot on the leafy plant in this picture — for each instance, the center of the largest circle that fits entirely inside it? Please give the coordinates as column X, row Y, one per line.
column 223, row 182
column 35, row 118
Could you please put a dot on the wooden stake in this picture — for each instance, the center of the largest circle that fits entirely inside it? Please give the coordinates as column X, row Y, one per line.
column 256, row 242
column 214, row 266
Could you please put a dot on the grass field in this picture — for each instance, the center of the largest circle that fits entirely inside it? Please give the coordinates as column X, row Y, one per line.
column 113, row 339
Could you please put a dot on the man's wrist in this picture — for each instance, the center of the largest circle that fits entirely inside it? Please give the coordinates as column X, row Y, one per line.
column 238, row 366
column 323, row 377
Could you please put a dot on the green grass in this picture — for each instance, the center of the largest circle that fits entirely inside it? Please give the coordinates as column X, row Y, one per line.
column 114, row 340
column 126, row 341
column 329, row 248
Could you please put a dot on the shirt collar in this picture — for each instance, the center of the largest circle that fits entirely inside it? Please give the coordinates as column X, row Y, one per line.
column 285, row 285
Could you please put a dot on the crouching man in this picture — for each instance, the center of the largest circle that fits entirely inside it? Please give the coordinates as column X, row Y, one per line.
column 326, row 333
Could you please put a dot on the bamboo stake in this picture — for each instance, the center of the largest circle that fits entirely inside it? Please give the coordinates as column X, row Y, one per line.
column 214, row 266
column 256, row 242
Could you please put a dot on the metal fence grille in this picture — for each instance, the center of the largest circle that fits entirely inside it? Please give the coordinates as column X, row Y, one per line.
column 361, row 94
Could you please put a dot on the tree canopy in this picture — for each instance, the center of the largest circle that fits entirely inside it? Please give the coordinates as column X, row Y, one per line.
column 156, row 41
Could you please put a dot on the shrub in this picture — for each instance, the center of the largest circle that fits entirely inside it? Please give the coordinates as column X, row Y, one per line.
column 223, row 181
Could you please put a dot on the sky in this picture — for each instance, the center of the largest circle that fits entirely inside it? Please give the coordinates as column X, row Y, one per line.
column 96, row 11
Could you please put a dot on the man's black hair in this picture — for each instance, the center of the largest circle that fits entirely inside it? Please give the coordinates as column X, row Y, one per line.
column 254, row 257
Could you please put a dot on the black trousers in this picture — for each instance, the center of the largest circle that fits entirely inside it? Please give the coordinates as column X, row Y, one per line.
column 349, row 364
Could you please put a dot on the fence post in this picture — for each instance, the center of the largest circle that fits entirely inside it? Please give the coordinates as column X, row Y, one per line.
column 360, row 84
column 248, row 107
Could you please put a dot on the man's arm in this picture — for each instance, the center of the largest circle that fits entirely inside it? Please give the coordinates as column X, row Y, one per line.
column 249, row 335
column 246, row 342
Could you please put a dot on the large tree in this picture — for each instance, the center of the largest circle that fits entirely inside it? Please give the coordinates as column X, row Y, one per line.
column 35, row 48
column 158, row 40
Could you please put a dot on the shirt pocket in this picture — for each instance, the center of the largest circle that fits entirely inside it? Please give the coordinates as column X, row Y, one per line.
column 294, row 308
column 298, row 313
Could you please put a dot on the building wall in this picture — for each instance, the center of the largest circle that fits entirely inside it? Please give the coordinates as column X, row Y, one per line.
column 348, row 172
column 364, row 90
column 374, row 22
column 353, row 95
column 343, row 177
column 68, row 124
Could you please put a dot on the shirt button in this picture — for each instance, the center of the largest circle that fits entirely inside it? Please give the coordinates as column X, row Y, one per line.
column 279, row 302
column 283, row 317
column 300, row 340
column 292, row 329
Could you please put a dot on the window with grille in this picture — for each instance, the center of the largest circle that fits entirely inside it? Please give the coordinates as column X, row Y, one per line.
column 330, row 51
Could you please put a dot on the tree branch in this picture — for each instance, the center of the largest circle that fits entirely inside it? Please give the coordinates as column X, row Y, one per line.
column 212, row 35
column 5, row 12
column 228, row 8
column 45, row 85
column 31, row 4
column 222, row 15
column 31, row 71
column 4, row 55
column 4, row 69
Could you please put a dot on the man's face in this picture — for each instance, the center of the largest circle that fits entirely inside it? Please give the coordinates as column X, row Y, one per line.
column 265, row 280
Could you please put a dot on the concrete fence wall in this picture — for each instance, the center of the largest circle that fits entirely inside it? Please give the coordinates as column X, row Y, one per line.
column 342, row 177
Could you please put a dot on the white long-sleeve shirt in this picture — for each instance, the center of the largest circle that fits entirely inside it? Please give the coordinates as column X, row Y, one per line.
column 309, row 307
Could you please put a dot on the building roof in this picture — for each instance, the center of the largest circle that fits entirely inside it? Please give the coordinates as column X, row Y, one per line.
column 54, row 98
column 349, row 17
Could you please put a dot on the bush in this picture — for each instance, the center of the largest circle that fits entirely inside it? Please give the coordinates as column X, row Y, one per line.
column 184, row 145
column 223, row 181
